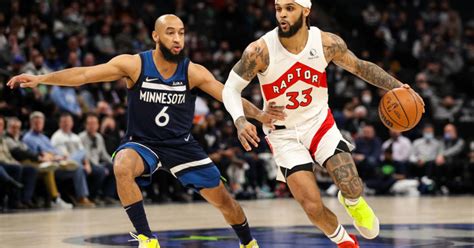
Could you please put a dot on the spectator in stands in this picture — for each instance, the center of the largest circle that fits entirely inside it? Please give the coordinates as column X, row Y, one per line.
column 70, row 144
column 451, row 161
column 427, row 152
column 36, row 66
column 27, row 175
column 124, row 40
column 40, row 143
column 111, row 134
column 99, row 157
column 391, row 181
column 10, row 186
column 104, row 43
column 367, row 152
column 445, row 109
column 66, row 99
column 371, row 16
column 400, row 151
column 44, row 162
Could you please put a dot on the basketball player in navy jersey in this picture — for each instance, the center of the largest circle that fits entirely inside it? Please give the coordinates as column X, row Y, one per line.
column 161, row 99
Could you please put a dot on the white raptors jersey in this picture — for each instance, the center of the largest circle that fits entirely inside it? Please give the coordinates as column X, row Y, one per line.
column 296, row 81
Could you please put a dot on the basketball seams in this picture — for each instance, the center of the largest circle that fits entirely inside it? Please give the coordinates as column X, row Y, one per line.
column 388, row 116
column 401, row 106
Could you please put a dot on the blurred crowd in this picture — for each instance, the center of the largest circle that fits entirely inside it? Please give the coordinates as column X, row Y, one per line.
column 56, row 143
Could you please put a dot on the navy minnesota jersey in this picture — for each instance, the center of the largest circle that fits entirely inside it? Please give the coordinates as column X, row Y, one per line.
column 160, row 109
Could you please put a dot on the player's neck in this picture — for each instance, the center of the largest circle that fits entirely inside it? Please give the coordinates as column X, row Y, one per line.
column 165, row 67
column 296, row 43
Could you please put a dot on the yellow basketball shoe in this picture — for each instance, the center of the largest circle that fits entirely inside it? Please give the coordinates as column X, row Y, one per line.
column 364, row 218
column 252, row 244
column 144, row 241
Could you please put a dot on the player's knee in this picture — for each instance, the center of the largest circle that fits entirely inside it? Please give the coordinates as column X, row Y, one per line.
column 313, row 209
column 123, row 170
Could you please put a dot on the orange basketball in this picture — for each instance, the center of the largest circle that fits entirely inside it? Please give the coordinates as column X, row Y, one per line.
column 400, row 109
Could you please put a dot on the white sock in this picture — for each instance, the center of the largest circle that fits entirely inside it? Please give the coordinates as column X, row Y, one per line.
column 340, row 235
column 351, row 202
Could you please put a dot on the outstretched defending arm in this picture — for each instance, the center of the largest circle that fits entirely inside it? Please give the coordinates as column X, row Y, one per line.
column 118, row 67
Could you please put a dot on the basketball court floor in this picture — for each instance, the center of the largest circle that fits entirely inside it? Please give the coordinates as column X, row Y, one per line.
column 407, row 222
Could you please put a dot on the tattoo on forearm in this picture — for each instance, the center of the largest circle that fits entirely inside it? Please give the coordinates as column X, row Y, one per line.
column 247, row 66
column 250, row 110
column 375, row 75
column 344, row 173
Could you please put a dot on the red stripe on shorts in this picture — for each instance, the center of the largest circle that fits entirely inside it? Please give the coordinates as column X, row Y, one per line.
column 327, row 124
column 269, row 144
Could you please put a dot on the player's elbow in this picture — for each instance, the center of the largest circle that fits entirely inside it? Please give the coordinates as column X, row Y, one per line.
column 227, row 93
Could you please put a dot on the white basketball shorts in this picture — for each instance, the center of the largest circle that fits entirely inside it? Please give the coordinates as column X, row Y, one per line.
column 315, row 140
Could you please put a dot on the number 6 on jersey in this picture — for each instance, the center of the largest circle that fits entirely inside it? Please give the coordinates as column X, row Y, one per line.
column 160, row 116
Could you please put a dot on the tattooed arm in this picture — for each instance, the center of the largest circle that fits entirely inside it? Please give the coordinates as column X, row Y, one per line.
column 335, row 50
column 254, row 60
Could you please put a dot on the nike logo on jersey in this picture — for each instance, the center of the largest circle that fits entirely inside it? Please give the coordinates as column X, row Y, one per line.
column 187, row 138
column 147, row 79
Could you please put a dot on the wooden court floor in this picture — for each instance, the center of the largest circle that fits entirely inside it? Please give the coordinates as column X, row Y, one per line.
column 407, row 222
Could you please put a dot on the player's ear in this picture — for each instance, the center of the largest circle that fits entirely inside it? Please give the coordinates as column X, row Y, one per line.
column 155, row 36
column 306, row 12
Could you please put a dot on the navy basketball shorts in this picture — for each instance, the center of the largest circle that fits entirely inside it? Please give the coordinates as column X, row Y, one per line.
column 188, row 162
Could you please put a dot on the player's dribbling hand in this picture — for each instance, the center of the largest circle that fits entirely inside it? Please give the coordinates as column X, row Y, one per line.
column 407, row 86
column 271, row 114
column 247, row 133
column 25, row 80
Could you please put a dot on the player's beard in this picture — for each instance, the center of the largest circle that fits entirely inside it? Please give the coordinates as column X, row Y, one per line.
column 169, row 56
column 293, row 28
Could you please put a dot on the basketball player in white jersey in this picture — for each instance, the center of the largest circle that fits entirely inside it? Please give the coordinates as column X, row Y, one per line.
column 290, row 62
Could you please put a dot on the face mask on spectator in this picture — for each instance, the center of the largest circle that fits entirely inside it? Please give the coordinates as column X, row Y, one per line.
column 366, row 99
column 428, row 135
column 448, row 136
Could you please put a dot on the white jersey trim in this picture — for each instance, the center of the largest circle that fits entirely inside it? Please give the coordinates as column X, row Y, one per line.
column 163, row 87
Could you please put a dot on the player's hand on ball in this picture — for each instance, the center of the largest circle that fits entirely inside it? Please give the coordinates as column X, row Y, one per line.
column 25, row 81
column 247, row 133
column 407, row 86
column 271, row 114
